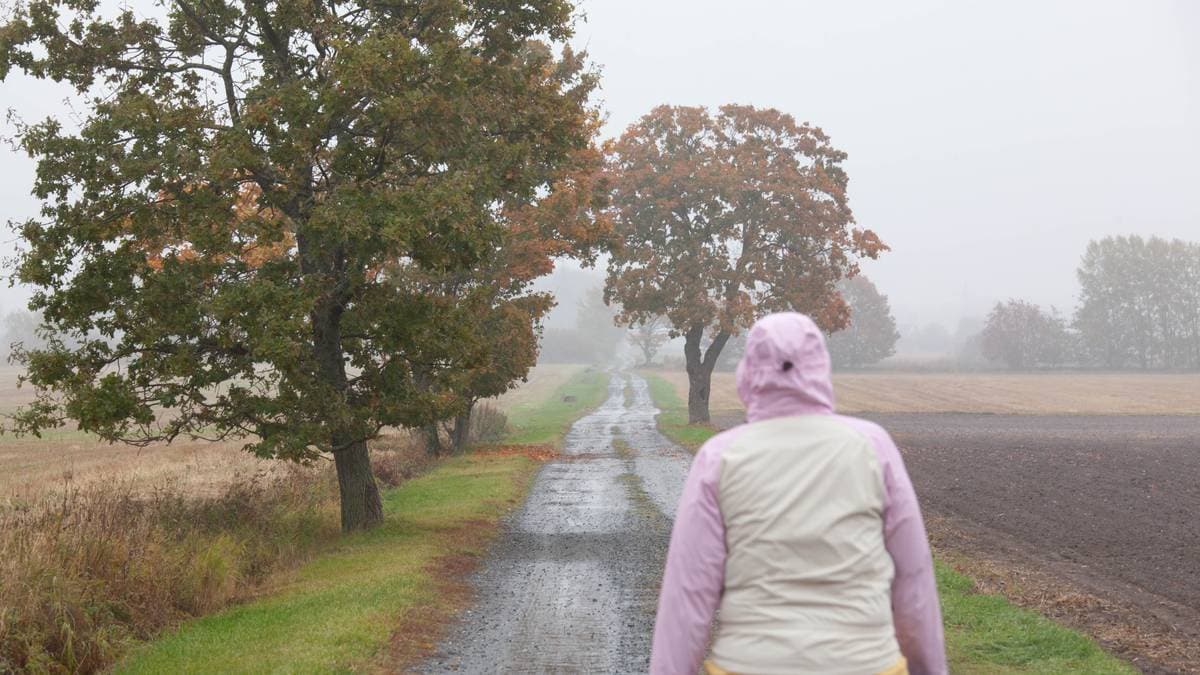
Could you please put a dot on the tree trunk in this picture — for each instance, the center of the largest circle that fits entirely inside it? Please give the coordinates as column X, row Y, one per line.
column 699, row 370
column 359, row 495
column 433, row 439
column 462, row 430
column 699, row 388
column 648, row 352
column 361, row 506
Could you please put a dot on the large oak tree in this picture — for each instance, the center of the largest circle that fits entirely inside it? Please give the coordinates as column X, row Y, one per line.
column 723, row 217
column 221, row 234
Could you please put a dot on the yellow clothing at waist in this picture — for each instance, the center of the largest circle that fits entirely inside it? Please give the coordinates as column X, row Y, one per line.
column 898, row 668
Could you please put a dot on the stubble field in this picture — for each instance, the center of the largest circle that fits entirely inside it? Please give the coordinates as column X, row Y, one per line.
column 991, row 393
column 29, row 466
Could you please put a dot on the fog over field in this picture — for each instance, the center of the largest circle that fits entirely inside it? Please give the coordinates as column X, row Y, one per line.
column 988, row 142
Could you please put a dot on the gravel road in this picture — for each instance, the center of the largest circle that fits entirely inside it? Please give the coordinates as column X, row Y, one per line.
column 571, row 584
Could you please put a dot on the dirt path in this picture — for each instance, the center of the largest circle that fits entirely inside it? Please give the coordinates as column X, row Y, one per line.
column 572, row 583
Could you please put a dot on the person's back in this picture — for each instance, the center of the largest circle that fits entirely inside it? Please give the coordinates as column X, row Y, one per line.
column 803, row 526
column 806, row 574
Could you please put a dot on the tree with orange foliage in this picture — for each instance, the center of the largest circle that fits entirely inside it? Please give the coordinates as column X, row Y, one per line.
column 724, row 217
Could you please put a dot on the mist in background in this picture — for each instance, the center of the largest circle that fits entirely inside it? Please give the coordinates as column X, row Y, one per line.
column 988, row 142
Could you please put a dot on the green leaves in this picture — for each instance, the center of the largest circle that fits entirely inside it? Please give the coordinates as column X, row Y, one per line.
column 298, row 222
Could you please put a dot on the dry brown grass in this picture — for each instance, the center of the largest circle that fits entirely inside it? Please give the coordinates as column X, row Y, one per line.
column 1016, row 393
column 87, row 569
column 29, row 466
column 543, row 381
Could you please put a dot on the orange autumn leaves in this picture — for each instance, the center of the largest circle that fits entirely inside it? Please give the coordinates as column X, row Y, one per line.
column 723, row 216
column 252, row 252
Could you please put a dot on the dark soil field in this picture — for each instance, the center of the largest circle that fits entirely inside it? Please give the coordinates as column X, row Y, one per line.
column 1101, row 506
column 1094, row 519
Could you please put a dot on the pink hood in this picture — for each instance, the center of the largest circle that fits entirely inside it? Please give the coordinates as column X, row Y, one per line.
column 786, row 369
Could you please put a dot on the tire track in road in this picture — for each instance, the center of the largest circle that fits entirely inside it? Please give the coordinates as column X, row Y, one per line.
column 571, row 584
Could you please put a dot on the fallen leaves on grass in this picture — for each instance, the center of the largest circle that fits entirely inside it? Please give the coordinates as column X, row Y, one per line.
column 540, row 453
column 421, row 628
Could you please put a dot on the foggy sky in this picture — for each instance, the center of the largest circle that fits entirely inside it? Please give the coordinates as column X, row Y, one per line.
column 988, row 142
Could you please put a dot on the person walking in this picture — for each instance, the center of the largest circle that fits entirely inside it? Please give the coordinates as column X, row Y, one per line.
column 802, row 528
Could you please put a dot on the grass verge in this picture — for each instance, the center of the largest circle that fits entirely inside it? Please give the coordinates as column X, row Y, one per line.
column 546, row 423
column 985, row 633
column 338, row 611
column 379, row 600
column 673, row 415
column 86, row 572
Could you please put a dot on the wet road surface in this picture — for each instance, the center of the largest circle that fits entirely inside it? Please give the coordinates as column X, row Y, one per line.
column 572, row 583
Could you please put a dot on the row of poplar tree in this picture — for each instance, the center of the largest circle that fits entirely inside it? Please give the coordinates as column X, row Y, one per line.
column 1139, row 308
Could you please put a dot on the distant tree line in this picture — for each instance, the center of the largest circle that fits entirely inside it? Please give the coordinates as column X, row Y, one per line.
column 1021, row 335
column 594, row 338
column 1140, row 303
column 1139, row 308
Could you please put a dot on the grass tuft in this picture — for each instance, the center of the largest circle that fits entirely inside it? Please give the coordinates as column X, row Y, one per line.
column 988, row 634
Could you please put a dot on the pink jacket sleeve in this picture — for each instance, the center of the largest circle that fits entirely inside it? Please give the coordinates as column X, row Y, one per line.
column 695, row 570
column 915, row 608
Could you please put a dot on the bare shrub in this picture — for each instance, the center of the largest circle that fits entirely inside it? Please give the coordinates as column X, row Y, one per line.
column 488, row 423
column 397, row 457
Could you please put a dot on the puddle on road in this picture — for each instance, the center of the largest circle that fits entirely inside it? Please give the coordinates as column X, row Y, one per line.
column 571, row 585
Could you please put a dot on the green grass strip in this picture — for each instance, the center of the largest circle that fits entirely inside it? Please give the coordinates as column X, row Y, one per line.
column 548, row 422
column 339, row 610
column 988, row 634
column 673, row 418
column 985, row 634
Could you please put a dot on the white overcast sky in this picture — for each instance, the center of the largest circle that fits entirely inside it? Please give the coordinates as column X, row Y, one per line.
column 988, row 142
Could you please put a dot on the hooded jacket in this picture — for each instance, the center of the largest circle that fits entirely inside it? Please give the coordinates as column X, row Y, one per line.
column 801, row 526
